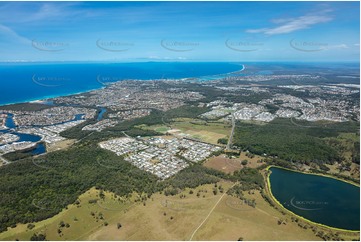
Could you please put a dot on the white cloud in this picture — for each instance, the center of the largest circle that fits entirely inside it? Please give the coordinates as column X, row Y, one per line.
column 292, row 24
column 10, row 35
column 339, row 46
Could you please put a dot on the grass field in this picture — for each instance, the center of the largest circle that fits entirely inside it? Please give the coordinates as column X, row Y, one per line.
column 78, row 217
column 167, row 218
column 64, row 144
column 206, row 131
column 223, row 163
column 229, row 165
column 230, row 221
column 175, row 218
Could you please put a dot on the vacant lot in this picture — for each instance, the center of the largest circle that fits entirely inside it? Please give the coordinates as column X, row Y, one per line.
column 175, row 218
column 252, row 162
column 233, row 219
column 206, row 131
column 64, row 144
column 223, row 163
column 229, row 165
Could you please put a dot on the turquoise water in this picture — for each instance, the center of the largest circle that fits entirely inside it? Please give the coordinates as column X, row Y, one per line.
column 32, row 81
column 320, row 199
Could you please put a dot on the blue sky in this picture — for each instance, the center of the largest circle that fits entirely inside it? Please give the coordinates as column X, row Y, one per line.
column 181, row 31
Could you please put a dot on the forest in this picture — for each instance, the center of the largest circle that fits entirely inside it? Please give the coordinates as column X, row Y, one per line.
column 302, row 143
column 36, row 188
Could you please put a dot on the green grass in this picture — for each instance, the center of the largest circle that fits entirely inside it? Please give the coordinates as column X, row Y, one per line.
column 162, row 129
column 77, row 216
column 196, row 128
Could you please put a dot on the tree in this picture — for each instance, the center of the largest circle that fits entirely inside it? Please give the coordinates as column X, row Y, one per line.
column 30, row 226
column 119, row 225
column 38, row 237
column 223, row 141
column 281, row 221
column 101, row 194
column 240, row 239
column 215, row 191
column 244, row 162
column 61, row 224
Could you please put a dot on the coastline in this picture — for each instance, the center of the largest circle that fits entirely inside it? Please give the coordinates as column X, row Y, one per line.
column 208, row 78
column 42, row 98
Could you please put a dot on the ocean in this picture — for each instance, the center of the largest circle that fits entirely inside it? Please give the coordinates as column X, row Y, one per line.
column 23, row 82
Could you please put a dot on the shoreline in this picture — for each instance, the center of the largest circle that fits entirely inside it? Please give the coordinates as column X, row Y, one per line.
column 206, row 78
column 40, row 99
column 269, row 190
column 317, row 174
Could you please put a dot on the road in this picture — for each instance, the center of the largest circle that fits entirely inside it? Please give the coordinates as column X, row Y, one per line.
column 209, row 214
column 232, row 132
column 5, row 162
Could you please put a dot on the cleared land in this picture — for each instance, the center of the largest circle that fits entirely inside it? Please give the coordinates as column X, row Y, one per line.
column 205, row 131
column 223, row 163
column 175, row 218
column 64, row 144
column 232, row 220
column 166, row 218
column 229, row 165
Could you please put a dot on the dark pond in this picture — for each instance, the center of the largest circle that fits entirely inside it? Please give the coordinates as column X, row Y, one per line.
column 101, row 113
column 319, row 199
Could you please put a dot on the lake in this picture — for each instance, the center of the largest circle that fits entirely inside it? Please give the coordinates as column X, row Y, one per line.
column 319, row 199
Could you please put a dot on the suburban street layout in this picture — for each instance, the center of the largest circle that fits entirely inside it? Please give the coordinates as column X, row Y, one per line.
column 180, row 121
column 159, row 156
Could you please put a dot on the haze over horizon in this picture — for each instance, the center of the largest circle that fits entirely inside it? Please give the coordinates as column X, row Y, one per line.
column 179, row 31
